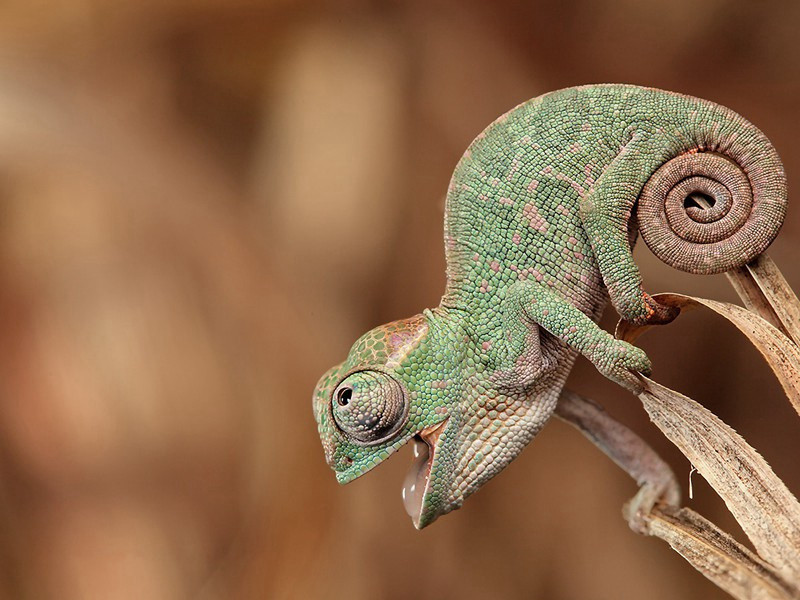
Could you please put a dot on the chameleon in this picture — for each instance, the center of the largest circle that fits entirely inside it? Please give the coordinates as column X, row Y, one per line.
column 541, row 215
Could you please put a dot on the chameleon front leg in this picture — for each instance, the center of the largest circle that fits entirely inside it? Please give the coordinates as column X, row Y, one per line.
column 606, row 213
column 531, row 303
column 656, row 480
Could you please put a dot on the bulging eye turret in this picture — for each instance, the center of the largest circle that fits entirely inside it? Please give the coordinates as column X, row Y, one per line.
column 369, row 407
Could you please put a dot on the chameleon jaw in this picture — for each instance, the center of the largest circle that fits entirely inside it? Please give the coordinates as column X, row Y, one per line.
column 417, row 481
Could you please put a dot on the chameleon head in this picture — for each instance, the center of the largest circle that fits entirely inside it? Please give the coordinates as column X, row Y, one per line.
column 398, row 384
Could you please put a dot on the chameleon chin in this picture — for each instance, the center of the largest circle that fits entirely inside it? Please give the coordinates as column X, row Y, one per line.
column 541, row 214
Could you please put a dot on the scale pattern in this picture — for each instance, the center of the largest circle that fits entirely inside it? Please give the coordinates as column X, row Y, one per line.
column 539, row 225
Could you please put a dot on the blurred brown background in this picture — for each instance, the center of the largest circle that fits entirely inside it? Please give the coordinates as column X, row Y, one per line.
column 205, row 202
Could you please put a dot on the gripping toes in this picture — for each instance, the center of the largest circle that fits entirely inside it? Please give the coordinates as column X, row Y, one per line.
column 657, row 314
column 621, row 362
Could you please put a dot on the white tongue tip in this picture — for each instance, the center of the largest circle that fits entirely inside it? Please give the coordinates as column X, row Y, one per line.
column 416, row 480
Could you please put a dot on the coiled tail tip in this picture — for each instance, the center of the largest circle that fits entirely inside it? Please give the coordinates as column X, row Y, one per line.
column 709, row 211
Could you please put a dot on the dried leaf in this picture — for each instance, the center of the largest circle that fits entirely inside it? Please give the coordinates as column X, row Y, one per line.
column 718, row 556
column 763, row 289
column 766, row 510
column 782, row 355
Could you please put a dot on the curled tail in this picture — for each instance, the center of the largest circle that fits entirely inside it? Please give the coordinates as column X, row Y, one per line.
column 710, row 187
column 720, row 202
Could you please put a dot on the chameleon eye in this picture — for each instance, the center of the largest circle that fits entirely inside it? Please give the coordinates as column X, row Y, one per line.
column 369, row 407
column 344, row 395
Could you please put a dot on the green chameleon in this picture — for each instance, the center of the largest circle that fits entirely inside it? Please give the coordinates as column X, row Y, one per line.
column 541, row 216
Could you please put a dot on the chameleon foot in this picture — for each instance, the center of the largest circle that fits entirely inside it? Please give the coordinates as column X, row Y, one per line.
column 658, row 314
column 622, row 362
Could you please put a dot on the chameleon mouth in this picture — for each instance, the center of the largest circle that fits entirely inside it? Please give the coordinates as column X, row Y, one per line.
column 417, row 480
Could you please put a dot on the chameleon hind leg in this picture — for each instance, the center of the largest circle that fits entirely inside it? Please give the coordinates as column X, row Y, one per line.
column 606, row 213
column 530, row 304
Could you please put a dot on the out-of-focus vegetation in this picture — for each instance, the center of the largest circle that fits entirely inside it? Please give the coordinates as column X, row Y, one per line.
column 202, row 204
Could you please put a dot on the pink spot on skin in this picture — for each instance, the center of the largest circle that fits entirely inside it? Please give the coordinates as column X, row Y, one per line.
column 587, row 171
column 579, row 255
column 572, row 241
column 533, row 185
column 486, row 345
column 586, row 126
column 547, row 170
column 545, row 312
column 483, row 197
column 516, row 238
column 514, row 167
column 535, row 220
column 494, row 266
column 514, row 268
column 505, row 200
column 562, row 209
column 484, row 286
column 398, row 339
column 538, row 276
column 576, row 147
column 494, row 182
column 476, row 257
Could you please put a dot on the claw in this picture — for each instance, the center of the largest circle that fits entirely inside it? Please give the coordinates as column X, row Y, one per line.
column 632, row 382
column 657, row 314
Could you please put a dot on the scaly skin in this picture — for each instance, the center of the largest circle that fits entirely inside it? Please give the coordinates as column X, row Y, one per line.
column 538, row 235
